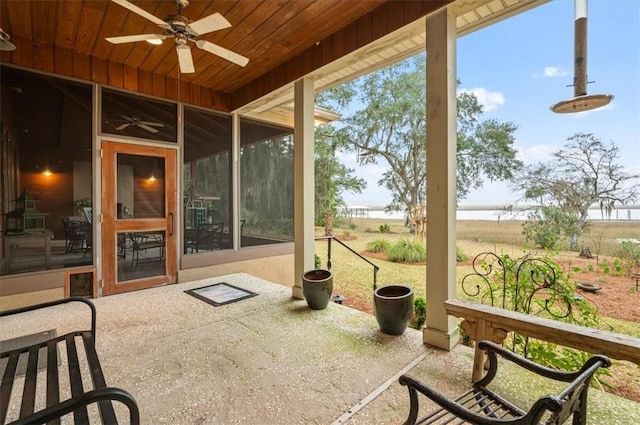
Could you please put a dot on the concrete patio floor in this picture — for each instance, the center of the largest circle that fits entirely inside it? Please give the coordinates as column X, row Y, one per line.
column 267, row 359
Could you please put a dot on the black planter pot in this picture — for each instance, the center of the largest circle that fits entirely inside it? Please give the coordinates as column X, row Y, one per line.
column 393, row 306
column 317, row 286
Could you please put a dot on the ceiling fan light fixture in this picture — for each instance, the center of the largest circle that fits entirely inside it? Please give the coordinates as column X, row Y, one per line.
column 154, row 41
column 5, row 44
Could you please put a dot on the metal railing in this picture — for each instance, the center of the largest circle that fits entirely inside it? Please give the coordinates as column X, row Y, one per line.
column 332, row 238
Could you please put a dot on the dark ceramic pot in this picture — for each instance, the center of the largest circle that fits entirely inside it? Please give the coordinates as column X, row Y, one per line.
column 393, row 308
column 317, row 286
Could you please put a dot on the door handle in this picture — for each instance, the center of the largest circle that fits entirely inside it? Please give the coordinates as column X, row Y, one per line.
column 172, row 223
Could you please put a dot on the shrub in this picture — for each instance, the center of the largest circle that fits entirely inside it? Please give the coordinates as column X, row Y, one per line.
column 378, row 245
column 419, row 313
column 460, row 256
column 544, row 234
column 384, row 228
column 629, row 254
column 316, row 261
column 408, row 251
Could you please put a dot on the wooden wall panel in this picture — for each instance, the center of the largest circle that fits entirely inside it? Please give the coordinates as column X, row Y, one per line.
column 380, row 28
column 170, row 88
column 63, row 62
column 43, row 57
column 22, row 55
column 115, row 76
column 99, row 71
column 145, row 82
column 206, row 97
column 365, row 30
column 159, row 85
column 130, row 78
column 82, row 66
column 184, row 95
column 195, row 96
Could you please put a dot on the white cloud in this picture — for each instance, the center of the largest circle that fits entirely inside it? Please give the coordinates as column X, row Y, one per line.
column 490, row 100
column 551, row 72
column 537, row 153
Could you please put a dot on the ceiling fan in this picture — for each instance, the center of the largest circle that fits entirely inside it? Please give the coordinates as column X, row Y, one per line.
column 182, row 30
column 137, row 122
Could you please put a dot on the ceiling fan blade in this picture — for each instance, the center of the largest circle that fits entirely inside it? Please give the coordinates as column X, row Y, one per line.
column 152, row 124
column 209, row 24
column 135, row 9
column 132, row 38
column 222, row 52
column 185, row 59
column 146, row 127
column 122, row 127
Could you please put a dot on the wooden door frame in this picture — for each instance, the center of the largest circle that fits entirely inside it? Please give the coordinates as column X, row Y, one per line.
column 111, row 225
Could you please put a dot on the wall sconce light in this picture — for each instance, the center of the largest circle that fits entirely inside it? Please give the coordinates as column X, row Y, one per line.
column 152, row 178
column 47, row 172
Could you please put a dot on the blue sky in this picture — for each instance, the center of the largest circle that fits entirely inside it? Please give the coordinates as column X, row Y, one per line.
column 521, row 66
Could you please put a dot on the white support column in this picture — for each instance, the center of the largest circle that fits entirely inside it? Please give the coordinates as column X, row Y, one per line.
column 441, row 330
column 235, row 181
column 304, row 182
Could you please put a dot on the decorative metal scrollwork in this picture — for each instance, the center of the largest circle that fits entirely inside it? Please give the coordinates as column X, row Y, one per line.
column 527, row 285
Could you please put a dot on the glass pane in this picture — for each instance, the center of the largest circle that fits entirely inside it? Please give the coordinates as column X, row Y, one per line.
column 266, row 183
column 207, row 182
column 140, row 254
column 141, row 187
column 45, row 172
column 132, row 115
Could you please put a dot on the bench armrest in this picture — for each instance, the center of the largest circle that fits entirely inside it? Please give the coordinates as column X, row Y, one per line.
column 54, row 303
column 94, row 396
column 493, row 350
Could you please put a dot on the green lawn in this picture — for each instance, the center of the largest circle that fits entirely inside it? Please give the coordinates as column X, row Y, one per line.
column 353, row 277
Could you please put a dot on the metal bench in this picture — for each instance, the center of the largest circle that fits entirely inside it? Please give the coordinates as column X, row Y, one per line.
column 83, row 368
column 481, row 405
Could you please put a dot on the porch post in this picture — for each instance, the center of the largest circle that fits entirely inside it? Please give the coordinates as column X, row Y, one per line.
column 441, row 330
column 304, row 185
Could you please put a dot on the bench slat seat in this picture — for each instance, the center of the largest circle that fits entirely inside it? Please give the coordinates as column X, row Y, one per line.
column 85, row 379
column 481, row 405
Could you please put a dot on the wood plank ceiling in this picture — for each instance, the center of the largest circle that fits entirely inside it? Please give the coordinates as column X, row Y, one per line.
column 283, row 39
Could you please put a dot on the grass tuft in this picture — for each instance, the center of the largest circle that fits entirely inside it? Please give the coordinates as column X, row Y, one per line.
column 408, row 251
column 378, row 245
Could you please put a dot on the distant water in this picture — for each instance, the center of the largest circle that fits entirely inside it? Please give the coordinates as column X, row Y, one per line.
column 621, row 214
